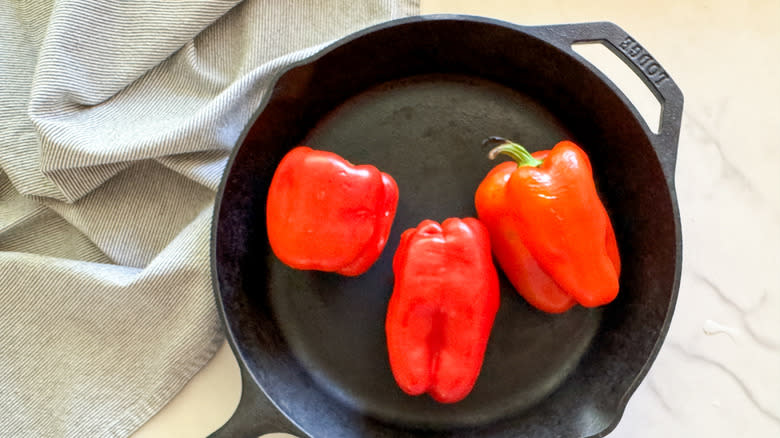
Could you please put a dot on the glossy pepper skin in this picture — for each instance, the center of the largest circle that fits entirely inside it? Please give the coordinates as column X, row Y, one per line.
column 325, row 214
column 550, row 231
column 442, row 309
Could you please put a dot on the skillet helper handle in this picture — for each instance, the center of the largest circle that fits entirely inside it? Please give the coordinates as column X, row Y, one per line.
column 655, row 77
column 255, row 415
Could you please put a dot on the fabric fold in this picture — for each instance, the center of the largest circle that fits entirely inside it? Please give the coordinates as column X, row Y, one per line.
column 116, row 122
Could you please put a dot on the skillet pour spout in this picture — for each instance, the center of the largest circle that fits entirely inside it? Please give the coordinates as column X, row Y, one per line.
column 416, row 97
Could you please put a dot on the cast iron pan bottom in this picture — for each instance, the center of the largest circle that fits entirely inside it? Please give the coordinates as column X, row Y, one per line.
column 426, row 131
column 312, row 345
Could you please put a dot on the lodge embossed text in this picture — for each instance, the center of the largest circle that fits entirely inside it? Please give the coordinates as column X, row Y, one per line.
column 643, row 60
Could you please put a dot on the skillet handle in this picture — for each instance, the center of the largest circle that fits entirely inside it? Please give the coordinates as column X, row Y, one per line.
column 255, row 415
column 655, row 77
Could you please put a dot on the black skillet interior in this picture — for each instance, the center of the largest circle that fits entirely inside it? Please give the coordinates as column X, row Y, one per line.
column 416, row 98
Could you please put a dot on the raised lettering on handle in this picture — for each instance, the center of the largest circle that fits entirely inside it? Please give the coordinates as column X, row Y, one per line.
column 646, row 63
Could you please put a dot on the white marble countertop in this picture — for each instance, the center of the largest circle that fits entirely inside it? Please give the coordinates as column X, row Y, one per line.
column 718, row 373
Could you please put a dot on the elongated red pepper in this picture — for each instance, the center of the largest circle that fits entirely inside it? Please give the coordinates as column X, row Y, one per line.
column 444, row 302
column 550, row 232
column 325, row 214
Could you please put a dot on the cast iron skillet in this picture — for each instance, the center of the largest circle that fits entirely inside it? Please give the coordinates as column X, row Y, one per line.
column 416, row 97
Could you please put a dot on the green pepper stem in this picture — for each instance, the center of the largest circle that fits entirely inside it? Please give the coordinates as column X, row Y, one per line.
column 514, row 150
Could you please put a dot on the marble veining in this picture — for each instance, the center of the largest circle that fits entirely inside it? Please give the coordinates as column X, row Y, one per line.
column 710, row 378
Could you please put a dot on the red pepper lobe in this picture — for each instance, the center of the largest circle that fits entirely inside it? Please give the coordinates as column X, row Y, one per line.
column 442, row 309
column 323, row 213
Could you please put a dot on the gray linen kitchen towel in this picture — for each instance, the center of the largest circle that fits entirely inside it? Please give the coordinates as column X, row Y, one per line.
column 116, row 120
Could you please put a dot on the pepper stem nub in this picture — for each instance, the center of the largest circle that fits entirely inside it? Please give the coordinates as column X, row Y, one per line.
column 514, row 150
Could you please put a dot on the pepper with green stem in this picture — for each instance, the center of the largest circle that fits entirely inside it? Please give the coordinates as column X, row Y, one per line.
column 549, row 230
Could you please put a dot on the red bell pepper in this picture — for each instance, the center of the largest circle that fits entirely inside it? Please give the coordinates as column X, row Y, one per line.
column 442, row 309
column 550, row 231
column 323, row 213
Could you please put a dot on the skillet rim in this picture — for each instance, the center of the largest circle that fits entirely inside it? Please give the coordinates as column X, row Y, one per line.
column 542, row 34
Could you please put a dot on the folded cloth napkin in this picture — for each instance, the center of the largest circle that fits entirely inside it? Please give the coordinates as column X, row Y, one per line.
column 116, row 121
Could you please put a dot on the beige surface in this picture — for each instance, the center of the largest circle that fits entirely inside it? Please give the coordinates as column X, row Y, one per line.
column 718, row 374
